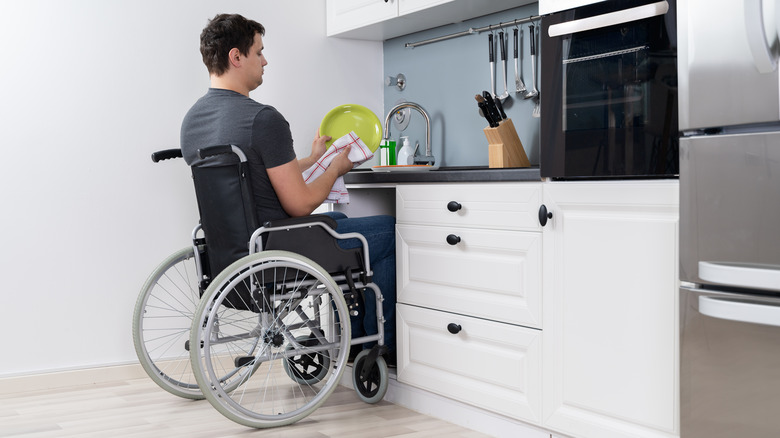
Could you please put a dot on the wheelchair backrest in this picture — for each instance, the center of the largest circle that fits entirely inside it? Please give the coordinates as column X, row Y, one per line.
column 227, row 214
column 228, row 218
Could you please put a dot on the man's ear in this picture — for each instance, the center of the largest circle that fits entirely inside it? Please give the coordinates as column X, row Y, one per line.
column 234, row 56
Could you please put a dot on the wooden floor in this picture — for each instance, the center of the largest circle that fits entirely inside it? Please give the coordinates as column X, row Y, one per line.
column 138, row 408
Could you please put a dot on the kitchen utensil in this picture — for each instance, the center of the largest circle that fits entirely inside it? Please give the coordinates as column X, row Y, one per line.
column 485, row 111
column 492, row 64
column 491, row 106
column 502, row 43
column 519, row 85
column 533, row 92
column 500, row 107
column 345, row 118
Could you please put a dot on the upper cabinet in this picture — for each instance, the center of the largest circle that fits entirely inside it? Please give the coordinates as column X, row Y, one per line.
column 380, row 20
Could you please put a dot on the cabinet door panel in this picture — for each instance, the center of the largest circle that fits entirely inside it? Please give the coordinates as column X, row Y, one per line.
column 412, row 6
column 487, row 364
column 490, row 274
column 344, row 15
column 610, row 334
column 491, row 205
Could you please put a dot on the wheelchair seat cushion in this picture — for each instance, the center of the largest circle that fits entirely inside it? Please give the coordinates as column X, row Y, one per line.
column 315, row 243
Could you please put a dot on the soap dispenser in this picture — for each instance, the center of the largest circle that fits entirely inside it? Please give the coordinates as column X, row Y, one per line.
column 406, row 154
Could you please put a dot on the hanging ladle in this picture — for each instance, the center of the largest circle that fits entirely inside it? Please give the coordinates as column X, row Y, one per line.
column 519, row 85
column 492, row 58
column 505, row 94
column 533, row 92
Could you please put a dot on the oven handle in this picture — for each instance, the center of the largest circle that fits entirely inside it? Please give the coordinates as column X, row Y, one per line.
column 751, row 312
column 609, row 19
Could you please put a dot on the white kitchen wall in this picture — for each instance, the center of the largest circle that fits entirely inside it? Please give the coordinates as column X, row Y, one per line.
column 89, row 89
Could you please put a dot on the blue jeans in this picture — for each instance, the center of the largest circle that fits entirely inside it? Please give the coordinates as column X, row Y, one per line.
column 379, row 232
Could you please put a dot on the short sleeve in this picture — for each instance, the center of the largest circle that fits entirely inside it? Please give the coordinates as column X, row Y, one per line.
column 271, row 138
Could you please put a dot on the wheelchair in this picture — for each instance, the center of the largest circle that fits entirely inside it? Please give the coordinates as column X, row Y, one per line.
column 256, row 319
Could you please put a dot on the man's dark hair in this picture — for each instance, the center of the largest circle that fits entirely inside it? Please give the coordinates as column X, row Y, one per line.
column 223, row 33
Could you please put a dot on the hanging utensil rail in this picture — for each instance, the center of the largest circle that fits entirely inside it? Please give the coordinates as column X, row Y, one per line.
column 472, row 30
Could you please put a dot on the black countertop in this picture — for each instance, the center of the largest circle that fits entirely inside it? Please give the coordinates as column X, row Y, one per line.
column 443, row 174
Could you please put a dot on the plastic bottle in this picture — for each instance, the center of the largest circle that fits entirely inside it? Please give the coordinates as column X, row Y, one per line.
column 387, row 153
column 406, row 154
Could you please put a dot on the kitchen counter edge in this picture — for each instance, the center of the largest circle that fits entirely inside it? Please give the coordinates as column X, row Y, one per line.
column 367, row 176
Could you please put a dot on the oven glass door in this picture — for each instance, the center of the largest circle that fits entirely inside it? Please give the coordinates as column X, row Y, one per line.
column 609, row 94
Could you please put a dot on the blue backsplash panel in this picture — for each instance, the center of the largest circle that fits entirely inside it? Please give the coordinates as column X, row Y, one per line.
column 443, row 77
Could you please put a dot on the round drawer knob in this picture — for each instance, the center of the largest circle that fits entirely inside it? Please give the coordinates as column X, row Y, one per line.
column 454, row 328
column 452, row 239
column 454, row 206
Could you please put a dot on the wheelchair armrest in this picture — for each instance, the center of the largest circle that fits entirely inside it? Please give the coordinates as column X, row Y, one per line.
column 314, row 237
column 329, row 221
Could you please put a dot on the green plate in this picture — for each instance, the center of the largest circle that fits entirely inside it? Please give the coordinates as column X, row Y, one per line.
column 345, row 118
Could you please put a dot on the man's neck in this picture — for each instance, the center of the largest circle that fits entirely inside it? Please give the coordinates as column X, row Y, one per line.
column 224, row 82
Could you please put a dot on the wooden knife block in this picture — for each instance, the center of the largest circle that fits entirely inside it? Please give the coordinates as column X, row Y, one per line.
column 504, row 146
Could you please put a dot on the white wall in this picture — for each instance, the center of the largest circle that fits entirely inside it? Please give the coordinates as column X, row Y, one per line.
column 89, row 90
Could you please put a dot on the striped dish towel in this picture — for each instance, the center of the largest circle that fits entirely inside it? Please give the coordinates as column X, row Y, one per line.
column 358, row 155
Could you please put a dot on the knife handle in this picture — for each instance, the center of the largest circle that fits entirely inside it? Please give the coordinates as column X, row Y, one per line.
column 500, row 107
column 486, row 114
column 490, row 47
column 503, row 45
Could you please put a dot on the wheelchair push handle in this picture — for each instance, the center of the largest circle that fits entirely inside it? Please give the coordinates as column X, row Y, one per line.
column 223, row 149
column 166, row 155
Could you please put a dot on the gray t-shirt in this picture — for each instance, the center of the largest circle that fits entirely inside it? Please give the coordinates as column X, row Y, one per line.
column 223, row 117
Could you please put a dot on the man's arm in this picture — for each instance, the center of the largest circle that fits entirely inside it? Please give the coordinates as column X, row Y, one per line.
column 297, row 197
column 317, row 150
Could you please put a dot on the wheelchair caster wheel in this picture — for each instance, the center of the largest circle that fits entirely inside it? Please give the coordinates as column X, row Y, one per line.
column 369, row 379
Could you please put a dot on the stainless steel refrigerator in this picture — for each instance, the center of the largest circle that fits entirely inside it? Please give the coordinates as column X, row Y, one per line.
column 729, row 103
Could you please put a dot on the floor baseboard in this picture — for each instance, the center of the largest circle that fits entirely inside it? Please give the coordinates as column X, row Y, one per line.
column 70, row 378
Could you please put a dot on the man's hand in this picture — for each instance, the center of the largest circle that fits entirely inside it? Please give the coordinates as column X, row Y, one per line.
column 318, row 145
column 318, row 148
column 342, row 163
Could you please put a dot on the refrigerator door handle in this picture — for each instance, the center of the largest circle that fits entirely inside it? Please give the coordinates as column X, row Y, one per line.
column 755, row 25
column 751, row 312
column 741, row 275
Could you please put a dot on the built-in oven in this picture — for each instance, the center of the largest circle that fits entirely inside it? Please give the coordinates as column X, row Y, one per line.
column 609, row 91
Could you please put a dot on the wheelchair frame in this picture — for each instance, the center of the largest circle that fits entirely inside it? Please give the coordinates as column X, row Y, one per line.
column 302, row 322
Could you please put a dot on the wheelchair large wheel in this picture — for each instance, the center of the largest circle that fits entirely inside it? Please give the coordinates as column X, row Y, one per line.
column 161, row 324
column 247, row 363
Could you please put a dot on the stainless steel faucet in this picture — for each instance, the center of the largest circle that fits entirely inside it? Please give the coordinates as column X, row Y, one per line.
column 428, row 155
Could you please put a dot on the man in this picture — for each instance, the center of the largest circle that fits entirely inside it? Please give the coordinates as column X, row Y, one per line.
column 232, row 49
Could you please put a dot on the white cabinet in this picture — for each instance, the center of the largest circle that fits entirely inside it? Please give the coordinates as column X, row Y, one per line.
column 469, row 293
column 345, row 15
column 610, row 325
column 380, row 20
column 487, row 364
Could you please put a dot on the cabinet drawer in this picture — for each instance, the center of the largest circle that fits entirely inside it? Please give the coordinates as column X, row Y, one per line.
column 489, row 274
column 487, row 364
column 510, row 206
